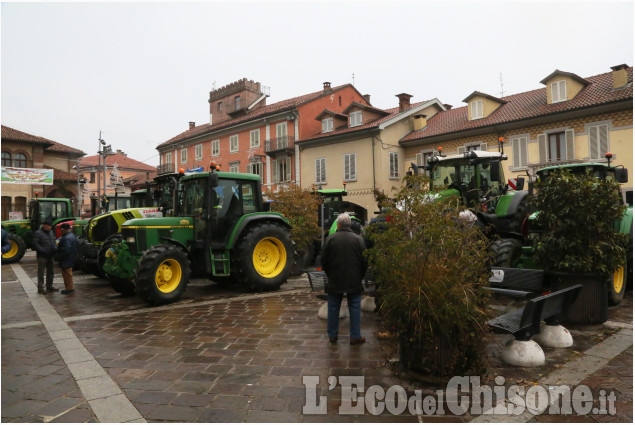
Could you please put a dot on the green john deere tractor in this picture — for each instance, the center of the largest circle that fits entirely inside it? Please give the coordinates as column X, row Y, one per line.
column 619, row 280
column 98, row 233
column 223, row 230
column 477, row 178
column 21, row 231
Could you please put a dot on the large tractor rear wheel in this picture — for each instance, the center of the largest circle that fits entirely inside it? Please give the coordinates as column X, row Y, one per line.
column 504, row 252
column 617, row 286
column 18, row 248
column 162, row 274
column 264, row 257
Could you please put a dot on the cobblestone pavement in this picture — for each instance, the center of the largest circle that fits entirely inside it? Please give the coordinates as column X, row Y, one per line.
column 221, row 355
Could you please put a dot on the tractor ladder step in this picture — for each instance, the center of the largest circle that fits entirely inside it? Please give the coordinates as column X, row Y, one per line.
column 220, row 264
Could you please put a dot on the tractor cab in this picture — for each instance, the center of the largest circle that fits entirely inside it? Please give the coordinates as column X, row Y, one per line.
column 475, row 176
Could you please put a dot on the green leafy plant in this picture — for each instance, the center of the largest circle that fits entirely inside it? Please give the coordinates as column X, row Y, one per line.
column 432, row 268
column 577, row 216
column 300, row 209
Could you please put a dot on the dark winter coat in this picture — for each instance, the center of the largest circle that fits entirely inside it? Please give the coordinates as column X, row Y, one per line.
column 67, row 250
column 6, row 243
column 344, row 262
column 44, row 243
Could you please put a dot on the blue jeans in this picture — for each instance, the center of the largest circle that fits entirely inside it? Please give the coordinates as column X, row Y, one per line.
column 334, row 302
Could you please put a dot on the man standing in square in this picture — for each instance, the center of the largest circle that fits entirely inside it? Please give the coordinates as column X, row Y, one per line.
column 66, row 253
column 44, row 244
column 345, row 265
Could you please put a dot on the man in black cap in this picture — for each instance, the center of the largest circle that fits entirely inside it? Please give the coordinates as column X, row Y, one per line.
column 44, row 244
column 66, row 253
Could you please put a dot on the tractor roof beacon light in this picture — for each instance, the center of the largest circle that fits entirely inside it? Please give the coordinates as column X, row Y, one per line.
column 440, row 151
column 212, row 166
column 181, row 171
column 501, row 140
column 608, row 157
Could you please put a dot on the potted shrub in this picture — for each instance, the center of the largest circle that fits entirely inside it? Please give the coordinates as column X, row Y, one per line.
column 578, row 241
column 432, row 268
column 299, row 208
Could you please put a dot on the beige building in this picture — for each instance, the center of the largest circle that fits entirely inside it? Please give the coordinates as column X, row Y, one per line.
column 571, row 119
column 360, row 148
column 23, row 150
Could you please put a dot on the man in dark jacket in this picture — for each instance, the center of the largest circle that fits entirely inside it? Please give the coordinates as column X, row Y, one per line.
column 44, row 244
column 66, row 253
column 6, row 243
column 345, row 265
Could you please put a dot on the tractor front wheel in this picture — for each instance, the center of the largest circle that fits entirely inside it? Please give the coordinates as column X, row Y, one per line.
column 264, row 257
column 162, row 274
column 504, row 252
column 18, row 248
column 617, row 286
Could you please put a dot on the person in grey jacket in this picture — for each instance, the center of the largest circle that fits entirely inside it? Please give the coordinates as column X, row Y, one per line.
column 44, row 244
column 345, row 265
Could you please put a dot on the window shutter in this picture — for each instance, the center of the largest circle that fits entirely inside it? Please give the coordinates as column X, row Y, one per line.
column 347, row 169
column 516, row 152
column 274, row 168
column 570, row 140
column 603, row 131
column 353, row 167
column 593, row 142
column 483, row 147
column 562, row 90
column 419, row 159
column 524, row 155
column 461, row 149
column 542, row 148
column 287, row 171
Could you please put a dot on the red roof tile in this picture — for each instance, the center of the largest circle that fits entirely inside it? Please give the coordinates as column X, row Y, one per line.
column 62, row 175
column 9, row 133
column 265, row 110
column 527, row 105
column 121, row 160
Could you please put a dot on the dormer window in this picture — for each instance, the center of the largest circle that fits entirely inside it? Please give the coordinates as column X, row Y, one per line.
column 558, row 91
column 327, row 125
column 476, row 108
column 356, row 118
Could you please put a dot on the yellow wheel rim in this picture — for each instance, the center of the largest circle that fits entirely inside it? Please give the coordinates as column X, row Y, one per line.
column 168, row 276
column 270, row 257
column 618, row 280
column 12, row 252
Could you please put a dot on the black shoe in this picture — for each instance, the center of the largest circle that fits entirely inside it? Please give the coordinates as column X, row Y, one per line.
column 51, row 289
column 355, row 341
column 333, row 340
column 41, row 291
column 67, row 291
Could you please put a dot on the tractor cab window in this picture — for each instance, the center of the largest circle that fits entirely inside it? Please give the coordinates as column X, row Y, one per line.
column 194, row 197
column 52, row 210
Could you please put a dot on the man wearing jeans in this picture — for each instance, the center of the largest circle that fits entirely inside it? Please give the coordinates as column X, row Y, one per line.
column 345, row 265
column 44, row 244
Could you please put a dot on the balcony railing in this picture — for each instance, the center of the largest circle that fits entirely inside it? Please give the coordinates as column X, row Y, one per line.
column 165, row 168
column 280, row 144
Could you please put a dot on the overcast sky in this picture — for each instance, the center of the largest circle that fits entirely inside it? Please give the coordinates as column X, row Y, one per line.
column 140, row 72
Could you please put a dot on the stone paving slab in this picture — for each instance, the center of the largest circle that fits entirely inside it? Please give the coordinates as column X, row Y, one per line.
column 224, row 356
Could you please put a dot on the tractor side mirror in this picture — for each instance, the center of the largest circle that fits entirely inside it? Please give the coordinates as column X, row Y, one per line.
column 621, row 175
column 213, row 179
column 495, row 171
column 520, row 183
column 629, row 198
column 415, row 169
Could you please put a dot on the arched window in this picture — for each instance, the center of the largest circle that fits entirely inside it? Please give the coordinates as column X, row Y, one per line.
column 19, row 160
column 6, row 159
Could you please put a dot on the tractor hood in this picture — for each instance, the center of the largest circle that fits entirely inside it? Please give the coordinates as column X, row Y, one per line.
column 163, row 222
column 11, row 225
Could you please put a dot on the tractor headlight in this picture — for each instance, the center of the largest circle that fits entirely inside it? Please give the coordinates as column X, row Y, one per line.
column 130, row 239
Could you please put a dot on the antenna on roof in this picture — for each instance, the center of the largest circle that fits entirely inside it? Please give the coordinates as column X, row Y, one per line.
column 353, row 79
column 500, row 77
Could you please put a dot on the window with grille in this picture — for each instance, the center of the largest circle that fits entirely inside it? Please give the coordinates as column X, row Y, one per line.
column 393, row 165
column 558, row 91
column 281, row 170
column 198, row 152
column 356, row 118
column 215, row 147
column 254, row 138
column 320, row 171
column 234, row 167
column 233, row 143
column 350, row 170
column 184, row 156
column 19, row 160
column 6, row 159
column 168, row 158
column 477, row 109
column 327, row 125
column 598, row 141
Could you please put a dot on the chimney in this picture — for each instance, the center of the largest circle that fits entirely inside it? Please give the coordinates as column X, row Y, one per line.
column 404, row 101
column 120, row 152
column 192, row 124
column 620, row 76
column 447, row 106
column 327, row 86
column 419, row 122
column 367, row 98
